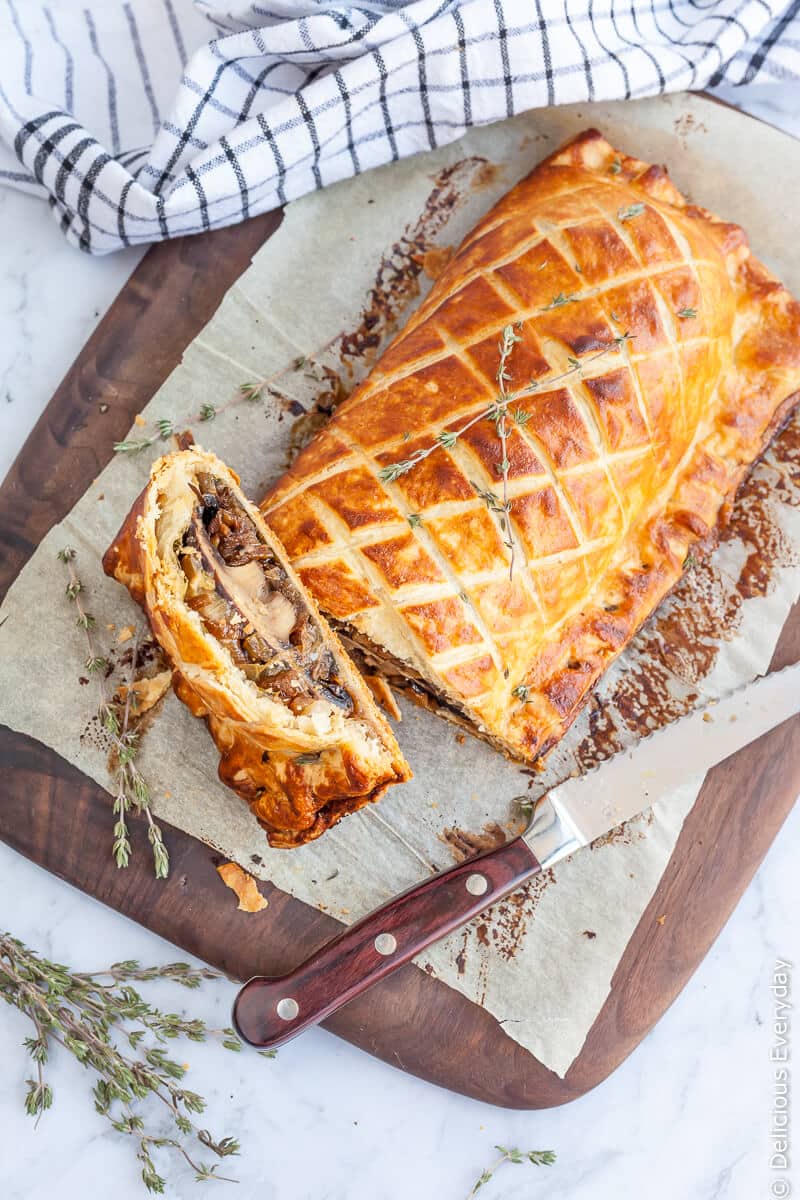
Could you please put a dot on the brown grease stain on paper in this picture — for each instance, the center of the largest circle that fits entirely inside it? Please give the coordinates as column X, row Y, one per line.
column 397, row 278
column 397, row 283
column 502, row 928
column 508, row 920
column 625, row 835
column 683, row 639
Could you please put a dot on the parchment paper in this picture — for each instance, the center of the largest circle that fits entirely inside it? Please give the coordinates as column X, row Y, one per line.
column 348, row 260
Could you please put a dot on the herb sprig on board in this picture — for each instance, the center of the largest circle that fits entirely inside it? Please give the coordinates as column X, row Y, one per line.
column 112, row 1031
column 131, row 790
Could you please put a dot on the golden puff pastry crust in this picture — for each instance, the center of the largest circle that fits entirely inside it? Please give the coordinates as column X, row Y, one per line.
column 655, row 357
column 299, row 735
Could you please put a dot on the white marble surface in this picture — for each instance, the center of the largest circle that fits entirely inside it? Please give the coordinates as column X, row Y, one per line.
column 688, row 1115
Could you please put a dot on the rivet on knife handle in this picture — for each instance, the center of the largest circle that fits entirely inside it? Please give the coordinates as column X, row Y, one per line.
column 268, row 1012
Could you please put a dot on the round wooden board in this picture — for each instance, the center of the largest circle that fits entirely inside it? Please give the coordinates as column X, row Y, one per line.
column 56, row 816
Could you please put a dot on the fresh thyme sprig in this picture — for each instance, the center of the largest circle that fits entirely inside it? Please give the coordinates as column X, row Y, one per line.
column 448, row 437
column 539, row 1158
column 498, row 412
column 131, row 790
column 499, row 415
column 249, row 392
column 108, row 1026
column 134, row 445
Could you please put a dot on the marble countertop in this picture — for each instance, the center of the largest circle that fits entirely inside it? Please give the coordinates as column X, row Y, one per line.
column 687, row 1115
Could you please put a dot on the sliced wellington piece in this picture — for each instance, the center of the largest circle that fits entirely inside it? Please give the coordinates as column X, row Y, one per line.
column 519, row 481
column 299, row 735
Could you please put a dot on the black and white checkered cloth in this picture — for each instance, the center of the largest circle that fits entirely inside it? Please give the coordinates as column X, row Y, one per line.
column 153, row 118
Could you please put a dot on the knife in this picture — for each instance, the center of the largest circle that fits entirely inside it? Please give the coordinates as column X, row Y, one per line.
column 270, row 1011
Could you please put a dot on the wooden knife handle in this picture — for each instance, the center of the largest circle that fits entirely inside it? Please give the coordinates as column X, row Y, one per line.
column 270, row 1011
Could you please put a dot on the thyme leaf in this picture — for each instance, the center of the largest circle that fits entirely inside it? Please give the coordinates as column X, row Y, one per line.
column 628, row 214
column 251, row 391
column 538, row 1158
column 558, row 301
column 134, row 445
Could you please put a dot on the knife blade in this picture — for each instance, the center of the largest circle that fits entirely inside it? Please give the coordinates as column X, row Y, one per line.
column 579, row 810
column 270, row 1011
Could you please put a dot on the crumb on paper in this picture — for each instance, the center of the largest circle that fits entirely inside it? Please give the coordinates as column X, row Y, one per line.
column 707, row 717
column 733, row 717
column 139, row 419
column 465, row 843
column 383, row 695
column 460, row 738
column 147, row 692
column 244, row 886
column 126, row 633
column 590, row 934
column 436, row 259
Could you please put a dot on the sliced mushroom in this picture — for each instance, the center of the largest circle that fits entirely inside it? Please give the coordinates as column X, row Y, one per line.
column 272, row 616
column 246, row 600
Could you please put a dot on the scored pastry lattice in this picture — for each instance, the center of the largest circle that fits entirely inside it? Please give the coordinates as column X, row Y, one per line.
column 596, row 263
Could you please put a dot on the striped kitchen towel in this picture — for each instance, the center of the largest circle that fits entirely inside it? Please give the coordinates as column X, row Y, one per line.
column 147, row 119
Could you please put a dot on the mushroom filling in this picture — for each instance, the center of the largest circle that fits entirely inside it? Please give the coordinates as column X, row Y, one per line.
column 247, row 602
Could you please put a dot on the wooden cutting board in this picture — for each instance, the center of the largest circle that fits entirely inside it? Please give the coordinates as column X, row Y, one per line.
column 53, row 814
